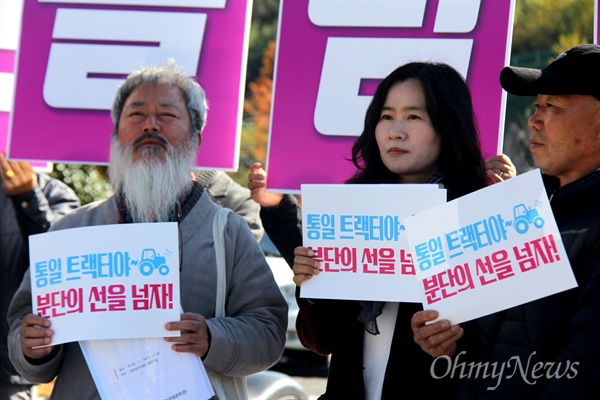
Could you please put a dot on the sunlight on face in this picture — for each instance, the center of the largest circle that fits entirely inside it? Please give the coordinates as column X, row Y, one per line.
column 153, row 153
column 565, row 135
column 408, row 144
column 154, row 116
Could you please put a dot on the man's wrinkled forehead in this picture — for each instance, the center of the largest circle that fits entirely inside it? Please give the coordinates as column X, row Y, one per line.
column 566, row 98
column 152, row 88
column 147, row 93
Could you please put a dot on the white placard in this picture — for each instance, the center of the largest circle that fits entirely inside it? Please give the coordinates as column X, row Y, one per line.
column 357, row 235
column 490, row 250
column 99, row 282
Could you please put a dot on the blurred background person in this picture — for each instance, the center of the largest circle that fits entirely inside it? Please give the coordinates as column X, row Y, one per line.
column 29, row 203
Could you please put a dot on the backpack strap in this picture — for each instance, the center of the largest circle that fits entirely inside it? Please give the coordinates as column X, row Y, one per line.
column 219, row 223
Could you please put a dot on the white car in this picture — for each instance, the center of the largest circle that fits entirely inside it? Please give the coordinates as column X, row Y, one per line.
column 272, row 385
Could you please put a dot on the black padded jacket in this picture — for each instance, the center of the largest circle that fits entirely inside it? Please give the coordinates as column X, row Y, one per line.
column 556, row 338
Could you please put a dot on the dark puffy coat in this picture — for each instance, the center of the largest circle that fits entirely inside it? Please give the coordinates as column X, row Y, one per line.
column 21, row 216
column 283, row 224
column 563, row 330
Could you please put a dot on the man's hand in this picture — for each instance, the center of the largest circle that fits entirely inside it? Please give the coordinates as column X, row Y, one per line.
column 500, row 168
column 437, row 339
column 305, row 266
column 257, row 179
column 35, row 331
column 17, row 177
column 194, row 334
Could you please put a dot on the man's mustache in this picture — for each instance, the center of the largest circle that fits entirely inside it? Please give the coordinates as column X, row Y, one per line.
column 150, row 136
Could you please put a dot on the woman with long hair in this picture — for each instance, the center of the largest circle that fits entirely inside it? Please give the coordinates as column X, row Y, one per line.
column 419, row 128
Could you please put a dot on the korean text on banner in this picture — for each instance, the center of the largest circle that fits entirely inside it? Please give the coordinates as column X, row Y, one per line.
column 332, row 54
column 490, row 250
column 357, row 235
column 73, row 55
column 98, row 282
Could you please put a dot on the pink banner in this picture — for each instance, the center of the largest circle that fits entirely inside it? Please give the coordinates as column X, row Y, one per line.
column 596, row 23
column 74, row 54
column 331, row 55
column 7, row 62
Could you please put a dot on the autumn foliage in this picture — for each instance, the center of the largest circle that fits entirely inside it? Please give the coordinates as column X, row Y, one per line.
column 258, row 104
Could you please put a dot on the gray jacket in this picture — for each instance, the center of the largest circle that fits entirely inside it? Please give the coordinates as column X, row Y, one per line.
column 249, row 340
column 227, row 193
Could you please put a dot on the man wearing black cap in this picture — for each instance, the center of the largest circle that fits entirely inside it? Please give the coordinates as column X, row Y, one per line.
column 548, row 348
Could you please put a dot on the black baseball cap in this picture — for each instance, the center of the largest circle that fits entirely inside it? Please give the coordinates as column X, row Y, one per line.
column 576, row 71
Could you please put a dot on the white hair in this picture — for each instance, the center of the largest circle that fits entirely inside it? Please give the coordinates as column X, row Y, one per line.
column 152, row 187
column 170, row 73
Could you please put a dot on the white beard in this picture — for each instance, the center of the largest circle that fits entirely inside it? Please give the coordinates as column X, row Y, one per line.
column 152, row 187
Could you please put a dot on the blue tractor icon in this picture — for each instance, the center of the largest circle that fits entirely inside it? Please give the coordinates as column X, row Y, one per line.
column 151, row 261
column 526, row 216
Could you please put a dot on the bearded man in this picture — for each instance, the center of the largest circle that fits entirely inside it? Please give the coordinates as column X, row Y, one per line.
column 159, row 113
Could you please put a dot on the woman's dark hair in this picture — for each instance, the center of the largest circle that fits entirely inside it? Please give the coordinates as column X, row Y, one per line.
column 449, row 105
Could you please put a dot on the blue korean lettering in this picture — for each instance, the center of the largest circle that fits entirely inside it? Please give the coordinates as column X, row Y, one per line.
column 453, row 244
column 346, row 227
column 497, row 227
column 73, row 268
column 313, row 226
column 423, row 258
column 430, row 253
column 41, row 273
column 328, row 223
column 113, row 264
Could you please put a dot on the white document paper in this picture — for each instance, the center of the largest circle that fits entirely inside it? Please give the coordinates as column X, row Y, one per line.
column 136, row 369
column 357, row 234
column 491, row 250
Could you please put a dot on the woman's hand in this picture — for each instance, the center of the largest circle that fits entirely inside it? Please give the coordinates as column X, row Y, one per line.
column 305, row 266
